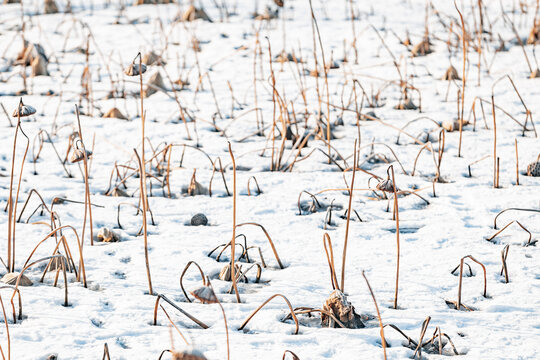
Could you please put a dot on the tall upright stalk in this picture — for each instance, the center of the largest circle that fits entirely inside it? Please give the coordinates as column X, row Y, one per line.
column 396, row 209
column 348, row 221
column 87, row 201
column 145, row 225
column 233, row 241
column 464, row 78
column 12, row 205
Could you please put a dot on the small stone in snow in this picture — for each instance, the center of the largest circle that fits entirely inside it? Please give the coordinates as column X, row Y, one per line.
column 199, row 219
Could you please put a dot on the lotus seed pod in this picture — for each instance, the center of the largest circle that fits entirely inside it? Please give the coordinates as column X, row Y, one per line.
column 386, row 186
column 199, row 219
column 107, row 235
column 50, row 7
column 78, row 155
column 152, row 58
column 534, row 169
column 188, row 354
column 134, row 69
column 192, row 13
column 225, row 273
column 39, row 66
column 422, row 48
column 205, row 294
column 115, row 113
column 450, row 126
column 23, row 110
column 451, row 74
column 154, row 83
column 11, row 279
column 338, row 305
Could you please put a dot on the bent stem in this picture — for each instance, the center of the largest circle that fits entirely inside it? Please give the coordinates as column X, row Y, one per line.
column 266, row 302
column 383, row 340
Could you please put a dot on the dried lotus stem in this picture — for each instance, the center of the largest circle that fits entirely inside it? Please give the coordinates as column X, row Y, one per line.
column 7, row 331
column 517, row 162
column 82, row 270
column 87, row 200
column 504, row 255
column 233, row 241
column 15, row 316
column 507, row 225
column 458, row 306
column 184, row 272
column 383, row 340
column 327, row 242
column 509, row 209
column 342, row 287
column 269, row 240
column 422, row 333
column 464, row 77
column 266, row 302
column 173, row 324
column 138, row 209
column 294, row 356
column 315, row 205
column 256, row 184
column 143, row 198
column 32, row 191
column 64, row 263
column 164, row 298
column 106, row 352
column 21, row 111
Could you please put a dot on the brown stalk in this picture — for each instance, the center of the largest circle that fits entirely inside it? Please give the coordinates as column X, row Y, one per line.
column 269, row 240
column 64, row 263
column 12, row 208
column 511, row 209
column 461, row 278
column 82, row 270
column 144, row 200
column 504, row 255
column 422, row 333
column 342, row 288
column 327, row 242
column 294, row 356
column 87, row 200
column 507, row 225
column 495, row 185
column 106, row 354
column 184, row 272
column 256, row 184
column 32, row 191
column 464, row 78
column 7, row 330
column 396, row 209
column 383, row 340
column 266, row 302
column 15, row 316
column 138, row 209
column 173, row 324
column 233, row 241
column 164, row 298
column 325, row 69
column 517, row 162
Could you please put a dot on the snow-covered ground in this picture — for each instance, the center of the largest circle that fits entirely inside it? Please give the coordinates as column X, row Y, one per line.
column 435, row 231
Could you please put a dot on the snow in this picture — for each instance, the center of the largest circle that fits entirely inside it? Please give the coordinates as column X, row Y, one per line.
column 116, row 308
